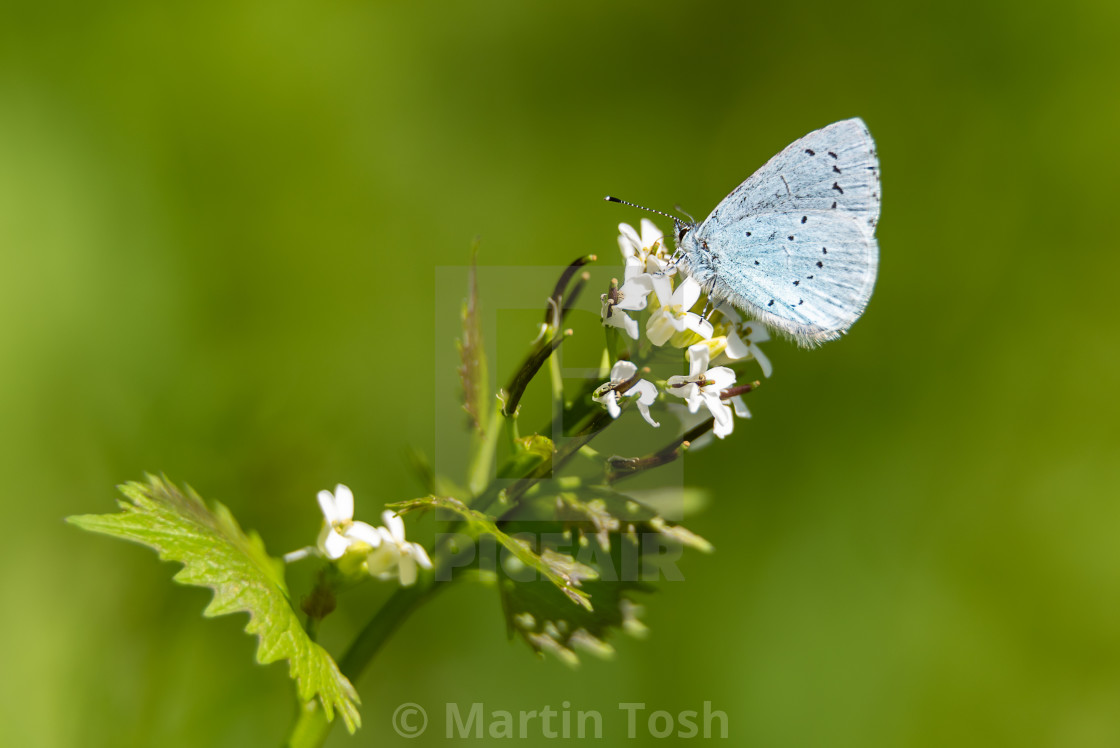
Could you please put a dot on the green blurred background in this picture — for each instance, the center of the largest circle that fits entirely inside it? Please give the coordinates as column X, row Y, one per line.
column 221, row 224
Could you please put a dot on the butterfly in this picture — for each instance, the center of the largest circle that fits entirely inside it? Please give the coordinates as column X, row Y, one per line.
column 794, row 245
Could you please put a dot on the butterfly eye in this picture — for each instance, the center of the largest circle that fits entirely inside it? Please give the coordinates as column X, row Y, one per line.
column 680, row 234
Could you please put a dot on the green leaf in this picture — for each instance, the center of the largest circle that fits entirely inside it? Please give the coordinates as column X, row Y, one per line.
column 543, row 618
column 608, row 527
column 560, row 569
column 216, row 553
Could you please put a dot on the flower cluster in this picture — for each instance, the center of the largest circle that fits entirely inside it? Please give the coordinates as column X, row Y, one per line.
column 665, row 302
column 386, row 552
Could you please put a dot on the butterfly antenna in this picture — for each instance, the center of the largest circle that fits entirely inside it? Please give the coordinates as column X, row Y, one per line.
column 678, row 222
column 679, row 209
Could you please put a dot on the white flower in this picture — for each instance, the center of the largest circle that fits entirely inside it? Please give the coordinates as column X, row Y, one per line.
column 396, row 556
column 612, row 317
column 673, row 316
column 648, row 250
column 340, row 531
column 743, row 340
column 630, row 297
column 645, row 392
column 702, row 386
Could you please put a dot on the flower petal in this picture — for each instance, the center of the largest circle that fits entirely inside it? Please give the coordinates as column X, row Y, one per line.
column 723, row 427
column 611, row 401
column 633, row 292
column 344, row 501
column 699, row 356
column 622, row 320
column 763, row 361
column 725, row 423
column 730, row 313
column 417, row 552
column 383, row 558
column 645, row 390
column 756, row 332
column 632, row 268
column 329, row 507
column 721, row 378
column 687, row 293
column 628, row 241
column 366, row 533
column 395, row 525
column 660, row 328
column 663, row 287
column 740, row 407
column 623, row 370
column 736, row 347
column 407, row 569
column 650, row 234
column 698, row 325
column 644, row 410
column 298, row 555
column 335, row 545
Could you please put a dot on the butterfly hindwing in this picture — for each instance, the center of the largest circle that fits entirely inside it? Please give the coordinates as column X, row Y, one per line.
column 808, row 274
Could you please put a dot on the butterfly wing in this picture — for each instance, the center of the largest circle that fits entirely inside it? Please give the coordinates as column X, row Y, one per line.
column 834, row 168
column 808, row 275
column 794, row 244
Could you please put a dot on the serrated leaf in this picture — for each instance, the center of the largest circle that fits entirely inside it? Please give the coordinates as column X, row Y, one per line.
column 609, row 527
column 216, row 553
column 472, row 354
column 560, row 569
column 543, row 618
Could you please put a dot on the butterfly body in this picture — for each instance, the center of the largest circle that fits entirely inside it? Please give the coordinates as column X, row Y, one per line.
column 794, row 245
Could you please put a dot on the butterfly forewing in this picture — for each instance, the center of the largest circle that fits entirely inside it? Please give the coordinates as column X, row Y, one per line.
column 834, row 168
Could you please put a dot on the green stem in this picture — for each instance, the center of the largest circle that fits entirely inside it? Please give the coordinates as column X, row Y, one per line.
column 529, row 369
column 482, row 459
column 377, row 631
column 311, row 727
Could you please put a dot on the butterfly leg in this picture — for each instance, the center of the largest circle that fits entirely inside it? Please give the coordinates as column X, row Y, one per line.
column 712, row 302
column 708, row 309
